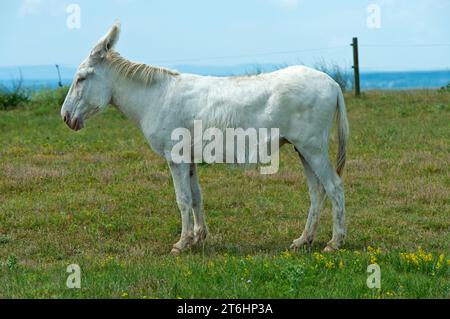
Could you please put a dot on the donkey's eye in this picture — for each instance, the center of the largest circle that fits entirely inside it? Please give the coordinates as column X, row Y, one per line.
column 79, row 80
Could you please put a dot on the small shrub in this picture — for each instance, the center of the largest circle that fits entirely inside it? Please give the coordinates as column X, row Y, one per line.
column 342, row 76
column 11, row 262
column 4, row 239
column 260, row 69
column 445, row 89
column 13, row 98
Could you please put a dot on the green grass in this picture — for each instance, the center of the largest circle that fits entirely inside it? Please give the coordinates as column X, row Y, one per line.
column 101, row 199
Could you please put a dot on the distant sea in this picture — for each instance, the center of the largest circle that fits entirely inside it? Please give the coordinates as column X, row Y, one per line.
column 404, row 80
column 39, row 77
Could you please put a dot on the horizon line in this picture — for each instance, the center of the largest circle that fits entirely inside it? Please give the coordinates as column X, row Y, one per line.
column 362, row 68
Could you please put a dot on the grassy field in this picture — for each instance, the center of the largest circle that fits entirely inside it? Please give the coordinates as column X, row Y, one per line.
column 101, row 199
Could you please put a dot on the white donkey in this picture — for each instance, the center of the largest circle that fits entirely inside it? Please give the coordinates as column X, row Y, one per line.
column 301, row 102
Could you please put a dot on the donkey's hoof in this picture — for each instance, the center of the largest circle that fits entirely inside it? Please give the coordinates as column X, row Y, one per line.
column 200, row 235
column 183, row 244
column 175, row 251
column 334, row 244
column 329, row 249
column 301, row 243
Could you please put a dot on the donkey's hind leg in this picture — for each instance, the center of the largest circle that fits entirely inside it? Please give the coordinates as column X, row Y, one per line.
column 332, row 183
column 317, row 197
column 200, row 228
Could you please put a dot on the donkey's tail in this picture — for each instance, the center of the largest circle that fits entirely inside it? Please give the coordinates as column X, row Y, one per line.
column 343, row 131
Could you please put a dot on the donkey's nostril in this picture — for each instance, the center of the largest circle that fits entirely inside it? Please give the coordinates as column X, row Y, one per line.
column 66, row 117
column 75, row 122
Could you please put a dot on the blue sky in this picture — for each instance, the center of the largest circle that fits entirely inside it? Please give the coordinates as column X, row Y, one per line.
column 173, row 32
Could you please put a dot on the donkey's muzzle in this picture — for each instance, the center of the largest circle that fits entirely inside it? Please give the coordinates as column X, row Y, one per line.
column 75, row 123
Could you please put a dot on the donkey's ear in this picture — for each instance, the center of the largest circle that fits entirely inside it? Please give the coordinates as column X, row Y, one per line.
column 107, row 42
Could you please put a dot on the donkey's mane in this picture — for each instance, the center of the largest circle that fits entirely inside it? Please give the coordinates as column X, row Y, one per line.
column 136, row 71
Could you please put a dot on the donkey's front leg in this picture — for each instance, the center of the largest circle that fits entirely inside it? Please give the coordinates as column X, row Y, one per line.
column 181, row 182
column 200, row 228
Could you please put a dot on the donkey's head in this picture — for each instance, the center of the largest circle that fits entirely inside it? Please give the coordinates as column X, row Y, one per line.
column 91, row 89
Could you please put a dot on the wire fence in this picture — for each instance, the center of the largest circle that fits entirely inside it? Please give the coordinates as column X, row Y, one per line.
column 8, row 73
column 305, row 50
column 319, row 49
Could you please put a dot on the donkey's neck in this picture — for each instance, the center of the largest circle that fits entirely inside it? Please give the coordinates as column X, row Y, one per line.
column 137, row 99
column 137, row 88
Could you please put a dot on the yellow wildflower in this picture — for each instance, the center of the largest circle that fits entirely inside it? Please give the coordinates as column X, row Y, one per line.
column 375, row 251
column 373, row 259
column 286, row 254
column 440, row 261
column 424, row 256
column 329, row 264
column 410, row 258
column 414, row 259
column 319, row 257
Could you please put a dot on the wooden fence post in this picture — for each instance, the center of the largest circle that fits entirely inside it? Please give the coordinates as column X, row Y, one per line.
column 356, row 66
column 59, row 76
